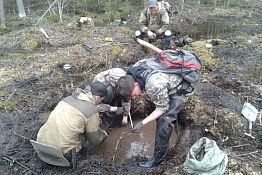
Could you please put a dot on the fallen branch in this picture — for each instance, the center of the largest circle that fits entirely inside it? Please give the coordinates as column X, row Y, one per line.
column 237, row 146
column 23, row 137
column 246, row 154
column 43, row 31
column 91, row 172
column 12, row 161
column 117, row 143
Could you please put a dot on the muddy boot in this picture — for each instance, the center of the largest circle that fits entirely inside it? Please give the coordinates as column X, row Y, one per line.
column 156, row 160
column 151, row 40
column 167, row 40
column 74, row 158
column 163, row 133
column 166, row 45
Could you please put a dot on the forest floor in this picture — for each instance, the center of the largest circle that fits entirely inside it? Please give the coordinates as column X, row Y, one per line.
column 34, row 79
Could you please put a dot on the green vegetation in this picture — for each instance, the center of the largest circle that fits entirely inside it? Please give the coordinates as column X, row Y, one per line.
column 117, row 50
column 2, row 27
column 206, row 55
column 30, row 41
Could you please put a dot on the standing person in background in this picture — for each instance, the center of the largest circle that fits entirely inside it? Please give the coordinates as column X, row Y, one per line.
column 154, row 23
column 112, row 102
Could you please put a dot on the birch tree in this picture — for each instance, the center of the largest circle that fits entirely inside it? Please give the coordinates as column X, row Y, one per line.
column 21, row 8
column 2, row 14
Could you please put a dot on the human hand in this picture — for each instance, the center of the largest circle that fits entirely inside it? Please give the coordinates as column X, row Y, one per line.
column 124, row 120
column 137, row 127
column 103, row 108
column 151, row 35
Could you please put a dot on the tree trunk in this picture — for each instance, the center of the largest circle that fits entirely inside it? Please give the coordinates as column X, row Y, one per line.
column 145, row 3
column 2, row 14
column 198, row 2
column 60, row 10
column 215, row 3
column 21, row 8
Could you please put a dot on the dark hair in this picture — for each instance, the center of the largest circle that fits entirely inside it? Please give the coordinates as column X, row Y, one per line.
column 125, row 86
column 98, row 89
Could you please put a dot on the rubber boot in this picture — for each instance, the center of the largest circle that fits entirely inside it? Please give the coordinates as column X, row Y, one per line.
column 140, row 35
column 74, row 158
column 151, row 40
column 163, row 132
column 166, row 45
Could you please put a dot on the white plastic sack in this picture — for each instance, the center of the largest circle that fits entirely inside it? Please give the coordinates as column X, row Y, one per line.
column 212, row 162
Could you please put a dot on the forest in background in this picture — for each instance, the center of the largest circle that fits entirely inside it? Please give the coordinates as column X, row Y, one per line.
column 111, row 9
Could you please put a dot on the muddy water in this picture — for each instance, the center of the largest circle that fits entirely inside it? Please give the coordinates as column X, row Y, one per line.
column 212, row 28
column 122, row 144
column 247, row 60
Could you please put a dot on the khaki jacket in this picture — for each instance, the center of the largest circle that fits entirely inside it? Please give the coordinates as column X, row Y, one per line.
column 72, row 116
column 158, row 23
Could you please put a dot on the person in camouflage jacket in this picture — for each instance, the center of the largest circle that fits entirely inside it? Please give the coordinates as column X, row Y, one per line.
column 154, row 23
column 112, row 102
column 164, row 91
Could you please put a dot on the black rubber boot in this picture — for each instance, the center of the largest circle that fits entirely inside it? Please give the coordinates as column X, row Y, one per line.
column 151, row 40
column 163, row 132
column 166, row 45
column 74, row 158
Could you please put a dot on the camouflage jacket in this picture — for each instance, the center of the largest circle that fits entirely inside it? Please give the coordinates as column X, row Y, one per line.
column 158, row 23
column 160, row 87
column 103, row 77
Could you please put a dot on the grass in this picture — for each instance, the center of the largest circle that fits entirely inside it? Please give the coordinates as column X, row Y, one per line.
column 206, row 55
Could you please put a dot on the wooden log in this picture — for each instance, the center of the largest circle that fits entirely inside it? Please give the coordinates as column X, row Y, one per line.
column 44, row 33
column 148, row 45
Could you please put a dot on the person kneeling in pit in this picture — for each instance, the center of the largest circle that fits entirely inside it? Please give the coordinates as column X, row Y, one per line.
column 113, row 104
column 72, row 125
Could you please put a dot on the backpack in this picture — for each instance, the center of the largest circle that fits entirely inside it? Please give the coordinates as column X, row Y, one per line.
column 181, row 62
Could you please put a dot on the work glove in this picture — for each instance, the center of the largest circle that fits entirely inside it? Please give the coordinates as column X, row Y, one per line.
column 119, row 111
column 151, row 35
column 103, row 108
column 137, row 127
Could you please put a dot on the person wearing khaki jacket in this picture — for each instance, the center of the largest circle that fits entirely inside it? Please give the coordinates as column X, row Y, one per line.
column 75, row 121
